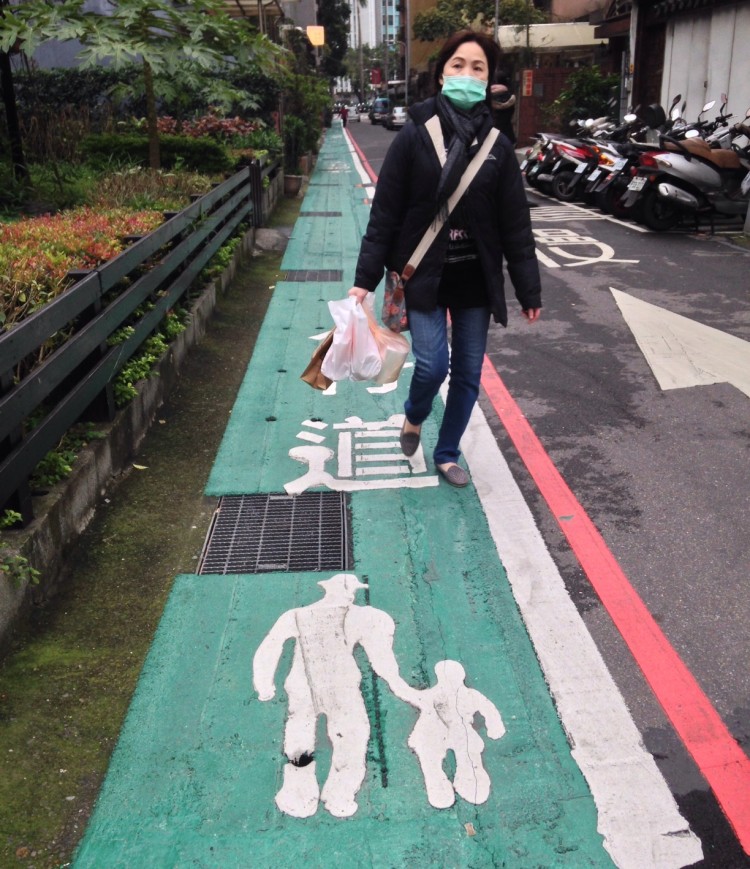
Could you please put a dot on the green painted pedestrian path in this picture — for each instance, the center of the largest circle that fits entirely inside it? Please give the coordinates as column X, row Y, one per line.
column 193, row 779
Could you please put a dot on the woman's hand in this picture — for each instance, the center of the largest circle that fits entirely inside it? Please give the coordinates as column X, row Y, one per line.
column 532, row 314
column 359, row 294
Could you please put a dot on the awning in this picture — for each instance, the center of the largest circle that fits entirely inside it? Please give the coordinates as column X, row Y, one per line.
column 251, row 8
column 547, row 36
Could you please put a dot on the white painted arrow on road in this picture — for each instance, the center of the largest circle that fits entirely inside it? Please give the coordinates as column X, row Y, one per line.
column 683, row 352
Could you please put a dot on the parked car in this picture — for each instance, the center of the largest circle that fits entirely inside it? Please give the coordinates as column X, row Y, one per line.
column 396, row 118
column 353, row 111
column 379, row 111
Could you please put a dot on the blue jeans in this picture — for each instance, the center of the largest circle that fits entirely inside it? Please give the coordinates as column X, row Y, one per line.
column 429, row 343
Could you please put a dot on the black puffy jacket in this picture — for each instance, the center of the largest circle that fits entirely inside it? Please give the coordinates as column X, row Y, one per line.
column 404, row 205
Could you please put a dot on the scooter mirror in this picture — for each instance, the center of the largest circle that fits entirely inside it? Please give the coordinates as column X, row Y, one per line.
column 708, row 106
column 629, row 119
column 675, row 113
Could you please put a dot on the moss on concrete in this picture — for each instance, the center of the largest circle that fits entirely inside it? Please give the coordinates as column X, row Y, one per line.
column 66, row 685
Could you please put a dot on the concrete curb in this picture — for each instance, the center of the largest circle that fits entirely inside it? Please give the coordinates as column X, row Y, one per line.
column 65, row 512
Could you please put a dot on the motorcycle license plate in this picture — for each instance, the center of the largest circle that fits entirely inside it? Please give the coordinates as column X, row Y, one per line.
column 637, row 184
column 619, row 164
column 581, row 168
column 595, row 174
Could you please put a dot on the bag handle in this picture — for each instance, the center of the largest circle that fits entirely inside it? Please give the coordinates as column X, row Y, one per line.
column 433, row 127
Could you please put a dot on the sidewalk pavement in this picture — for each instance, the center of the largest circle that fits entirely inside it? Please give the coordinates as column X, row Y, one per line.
column 247, row 666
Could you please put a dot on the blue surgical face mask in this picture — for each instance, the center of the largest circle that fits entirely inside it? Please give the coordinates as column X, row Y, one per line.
column 464, row 91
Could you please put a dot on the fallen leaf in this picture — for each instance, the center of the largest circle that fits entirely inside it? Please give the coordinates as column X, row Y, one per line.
column 140, row 467
column 470, row 829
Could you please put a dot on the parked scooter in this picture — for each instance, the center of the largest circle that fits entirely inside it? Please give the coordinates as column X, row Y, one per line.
column 551, row 153
column 688, row 177
column 556, row 163
column 608, row 183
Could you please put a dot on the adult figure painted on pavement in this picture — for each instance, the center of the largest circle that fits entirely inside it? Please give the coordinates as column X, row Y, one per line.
column 324, row 679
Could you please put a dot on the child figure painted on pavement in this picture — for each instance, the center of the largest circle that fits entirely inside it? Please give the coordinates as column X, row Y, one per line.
column 446, row 723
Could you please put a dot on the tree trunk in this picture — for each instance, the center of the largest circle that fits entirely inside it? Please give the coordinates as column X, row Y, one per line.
column 154, row 156
column 20, row 169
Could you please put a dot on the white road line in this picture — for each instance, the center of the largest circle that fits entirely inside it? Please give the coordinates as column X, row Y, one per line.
column 637, row 814
column 628, row 224
column 547, row 261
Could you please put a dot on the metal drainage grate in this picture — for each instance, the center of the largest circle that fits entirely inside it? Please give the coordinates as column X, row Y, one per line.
column 320, row 214
column 266, row 533
column 299, row 275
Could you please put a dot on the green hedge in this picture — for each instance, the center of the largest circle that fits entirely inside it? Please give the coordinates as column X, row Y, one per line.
column 202, row 155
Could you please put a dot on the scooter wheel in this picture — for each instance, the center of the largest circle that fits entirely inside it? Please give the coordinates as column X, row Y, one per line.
column 610, row 201
column 563, row 186
column 658, row 213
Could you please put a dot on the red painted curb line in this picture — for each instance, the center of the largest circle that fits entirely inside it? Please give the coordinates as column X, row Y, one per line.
column 370, row 171
column 720, row 759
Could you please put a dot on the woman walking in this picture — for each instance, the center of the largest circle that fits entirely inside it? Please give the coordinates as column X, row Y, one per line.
column 461, row 274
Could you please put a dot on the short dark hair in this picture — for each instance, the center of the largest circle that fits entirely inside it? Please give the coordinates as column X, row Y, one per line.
column 490, row 48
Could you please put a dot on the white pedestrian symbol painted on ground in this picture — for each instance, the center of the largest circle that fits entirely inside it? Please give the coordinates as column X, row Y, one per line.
column 367, row 456
column 446, row 723
column 324, row 679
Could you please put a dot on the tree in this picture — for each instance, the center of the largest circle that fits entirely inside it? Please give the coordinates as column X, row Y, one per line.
column 170, row 42
column 18, row 159
column 370, row 58
column 588, row 93
column 448, row 16
column 334, row 16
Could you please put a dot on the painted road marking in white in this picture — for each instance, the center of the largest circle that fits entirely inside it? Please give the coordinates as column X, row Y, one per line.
column 555, row 212
column 637, row 814
column 324, row 679
column 383, row 468
column 309, row 436
column 582, row 213
column 446, row 723
column 558, row 239
column 683, row 352
column 546, row 260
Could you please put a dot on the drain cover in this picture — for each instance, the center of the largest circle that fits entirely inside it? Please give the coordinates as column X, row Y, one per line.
column 312, row 275
column 267, row 533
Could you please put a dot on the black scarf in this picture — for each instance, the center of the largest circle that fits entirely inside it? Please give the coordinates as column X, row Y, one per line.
column 460, row 128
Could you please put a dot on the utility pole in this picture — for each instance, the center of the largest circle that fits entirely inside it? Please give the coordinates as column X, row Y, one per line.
column 361, row 53
column 385, row 44
column 407, row 51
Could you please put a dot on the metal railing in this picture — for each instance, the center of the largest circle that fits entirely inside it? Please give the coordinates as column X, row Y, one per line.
column 75, row 381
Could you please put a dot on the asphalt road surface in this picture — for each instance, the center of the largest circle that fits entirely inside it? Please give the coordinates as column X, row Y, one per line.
column 637, row 383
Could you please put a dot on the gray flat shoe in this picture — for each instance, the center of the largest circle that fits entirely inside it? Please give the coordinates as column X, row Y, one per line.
column 455, row 475
column 409, row 441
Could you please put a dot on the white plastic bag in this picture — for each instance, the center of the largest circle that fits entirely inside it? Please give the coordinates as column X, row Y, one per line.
column 392, row 346
column 354, row 354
